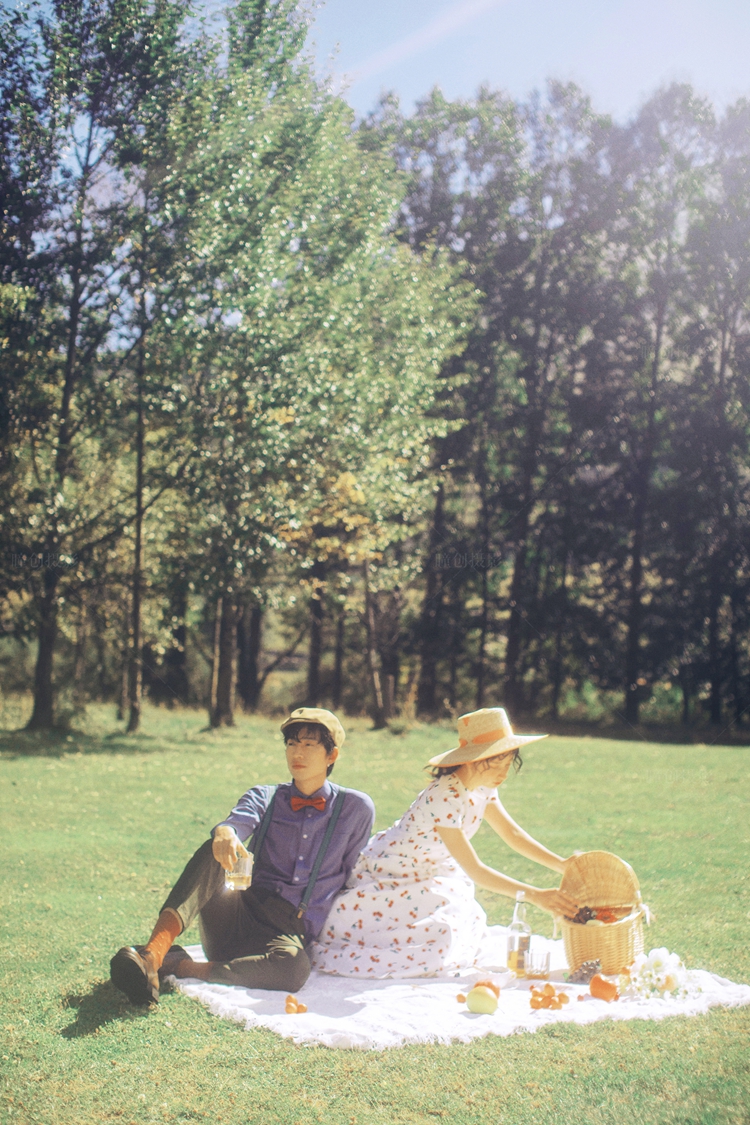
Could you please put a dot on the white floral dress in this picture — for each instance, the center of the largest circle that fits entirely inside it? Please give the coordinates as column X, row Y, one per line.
column 409, row 910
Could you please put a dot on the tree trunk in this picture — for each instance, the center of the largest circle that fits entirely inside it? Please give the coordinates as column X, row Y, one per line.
column 714, row 649
column 734, row 661
column 378, row 716
column 338, row 661
column 79, row 658
column 481, row 475
column 315, row 652
column 557, row 660
column 213, row 703
column 390, row 668
column 136, row 666
column 431, row 613
column 513, row 698
column 513, row 676
column 538, row 372
column 98, row 627
column 43, row 713
column 175, row 660
column 640, row 508
column 122, row 699
column 389, row 696
column 225, row 678
column 388, row 632
column 634, row 616
column 482, row 643
column 249, row 639
column 456, row 639
column 685, row 687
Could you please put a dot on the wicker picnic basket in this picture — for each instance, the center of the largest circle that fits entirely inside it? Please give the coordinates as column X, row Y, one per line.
column 603, row 880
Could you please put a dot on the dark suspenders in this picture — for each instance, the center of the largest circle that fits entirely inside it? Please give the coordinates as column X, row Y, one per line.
column 260, row 834
column 335, row 814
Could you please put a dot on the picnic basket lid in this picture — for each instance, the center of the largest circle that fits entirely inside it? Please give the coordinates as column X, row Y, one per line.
column 599, row 879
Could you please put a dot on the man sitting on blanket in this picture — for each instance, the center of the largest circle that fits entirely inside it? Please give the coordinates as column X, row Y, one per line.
column 309, row 834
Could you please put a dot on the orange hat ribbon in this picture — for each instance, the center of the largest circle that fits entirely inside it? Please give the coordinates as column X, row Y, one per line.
column 488, row 736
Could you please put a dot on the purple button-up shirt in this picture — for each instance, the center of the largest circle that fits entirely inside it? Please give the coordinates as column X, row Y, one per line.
column 292, row 843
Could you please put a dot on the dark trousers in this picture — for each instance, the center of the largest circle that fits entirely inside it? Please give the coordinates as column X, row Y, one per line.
column 254, row 937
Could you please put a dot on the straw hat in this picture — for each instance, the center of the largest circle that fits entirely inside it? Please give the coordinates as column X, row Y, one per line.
column 483, row 734
column 319, row 715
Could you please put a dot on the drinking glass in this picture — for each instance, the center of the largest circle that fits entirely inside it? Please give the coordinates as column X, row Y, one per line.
column 537, row 964
column 240, row 877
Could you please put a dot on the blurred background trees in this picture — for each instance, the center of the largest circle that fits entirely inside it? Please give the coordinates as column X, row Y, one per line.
column 405, row 416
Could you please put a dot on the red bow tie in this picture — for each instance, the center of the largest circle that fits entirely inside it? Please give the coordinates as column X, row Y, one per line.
column 298, row 803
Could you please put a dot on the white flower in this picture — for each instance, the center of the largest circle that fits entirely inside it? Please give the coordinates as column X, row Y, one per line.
column 657, row 960
column 661, row 973
column 671, row 983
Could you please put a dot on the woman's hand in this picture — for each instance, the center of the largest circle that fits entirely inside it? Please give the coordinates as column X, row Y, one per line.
column 554, row 901
column 227, row 846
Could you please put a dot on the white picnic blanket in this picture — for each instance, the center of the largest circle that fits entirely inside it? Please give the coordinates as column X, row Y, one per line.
column 372, row 1015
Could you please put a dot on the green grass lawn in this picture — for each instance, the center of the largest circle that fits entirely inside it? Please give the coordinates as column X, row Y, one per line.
column 96, row 826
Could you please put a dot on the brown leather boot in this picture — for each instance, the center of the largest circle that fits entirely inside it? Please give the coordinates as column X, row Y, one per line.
column 135, row 975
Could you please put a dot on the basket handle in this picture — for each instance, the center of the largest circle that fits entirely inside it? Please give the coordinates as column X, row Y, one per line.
column 644, row 909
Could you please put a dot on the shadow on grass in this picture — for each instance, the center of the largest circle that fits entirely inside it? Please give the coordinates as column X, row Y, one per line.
column 102, row 1005
column 59, row 743
column 695, row 735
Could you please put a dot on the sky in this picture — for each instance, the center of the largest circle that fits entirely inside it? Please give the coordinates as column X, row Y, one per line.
column 618, row 51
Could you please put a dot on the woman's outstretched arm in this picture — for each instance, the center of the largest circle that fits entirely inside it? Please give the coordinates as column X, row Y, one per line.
column 515, row 837
column 552, row 899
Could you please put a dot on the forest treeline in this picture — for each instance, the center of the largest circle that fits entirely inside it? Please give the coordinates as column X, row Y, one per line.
column 437, row 410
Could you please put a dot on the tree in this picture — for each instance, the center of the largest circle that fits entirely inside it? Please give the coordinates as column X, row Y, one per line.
column 319, row 337
column 519, row 196
column 712, row 441
column 76, row 80
column 660, row 163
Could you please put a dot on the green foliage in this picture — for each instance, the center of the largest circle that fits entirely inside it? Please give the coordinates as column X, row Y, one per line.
column 587, row 430
column 226, row 296
column 320, row 336
column 253, row 352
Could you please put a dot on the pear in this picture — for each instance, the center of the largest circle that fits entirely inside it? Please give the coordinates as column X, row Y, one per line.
column 482, row 1000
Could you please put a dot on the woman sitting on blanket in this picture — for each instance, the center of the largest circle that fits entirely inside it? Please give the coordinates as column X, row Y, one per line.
column 410, row 909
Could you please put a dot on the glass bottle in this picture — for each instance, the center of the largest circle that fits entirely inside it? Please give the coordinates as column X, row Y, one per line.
column 519, row 936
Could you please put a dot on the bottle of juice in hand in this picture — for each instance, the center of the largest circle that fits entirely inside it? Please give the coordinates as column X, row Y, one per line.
column 519, row 936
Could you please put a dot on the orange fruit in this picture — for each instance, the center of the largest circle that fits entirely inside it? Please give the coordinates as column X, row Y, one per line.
column 461, row 998
column 537, row 1002
column 301, row 1007
column 563, row 997
column 549, row 989
column 603, row 989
